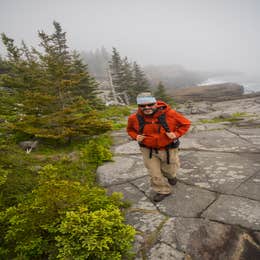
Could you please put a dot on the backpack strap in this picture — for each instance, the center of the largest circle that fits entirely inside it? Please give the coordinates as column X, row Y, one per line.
column 163, row 123
column 141, row 123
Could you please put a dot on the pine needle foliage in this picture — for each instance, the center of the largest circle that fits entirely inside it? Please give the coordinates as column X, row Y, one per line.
column 161, row 94
column 50, row 93
column 127, row 77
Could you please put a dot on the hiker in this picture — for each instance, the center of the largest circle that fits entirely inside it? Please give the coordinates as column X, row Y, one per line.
column 157, row 127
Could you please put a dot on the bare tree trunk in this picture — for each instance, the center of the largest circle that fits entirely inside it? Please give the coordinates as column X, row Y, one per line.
column 126, row 98
column 112, row 86
column 120, row 100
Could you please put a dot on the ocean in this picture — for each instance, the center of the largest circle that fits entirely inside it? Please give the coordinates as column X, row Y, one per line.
column 250, row 84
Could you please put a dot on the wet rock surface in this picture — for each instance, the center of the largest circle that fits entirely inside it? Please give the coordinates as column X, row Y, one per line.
column 214, row 210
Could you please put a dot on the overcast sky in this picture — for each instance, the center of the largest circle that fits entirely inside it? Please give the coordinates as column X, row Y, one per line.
column 198, row 34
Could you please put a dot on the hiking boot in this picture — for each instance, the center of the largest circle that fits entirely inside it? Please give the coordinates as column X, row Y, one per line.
column 172, row 181
column 159, row 197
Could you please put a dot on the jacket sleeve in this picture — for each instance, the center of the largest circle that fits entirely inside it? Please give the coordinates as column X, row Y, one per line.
column 183, row 124
column 132, row 132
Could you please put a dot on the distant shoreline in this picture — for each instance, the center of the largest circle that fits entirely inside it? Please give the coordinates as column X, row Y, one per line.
column 249, row 87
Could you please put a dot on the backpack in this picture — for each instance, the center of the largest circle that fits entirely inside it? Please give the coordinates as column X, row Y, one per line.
column 162, row 121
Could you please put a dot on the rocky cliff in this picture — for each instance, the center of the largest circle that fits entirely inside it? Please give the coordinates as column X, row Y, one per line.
column 225, row 91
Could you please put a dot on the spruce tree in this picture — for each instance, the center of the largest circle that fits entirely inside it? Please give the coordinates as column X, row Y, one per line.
column 115, row 66
column 57, row 61
column 125, row 87
column 141, row 82
column 86, row 87
column 160, row 94
column 115, row 73
column 3, row 66
column 45, row 90
column 128, row 78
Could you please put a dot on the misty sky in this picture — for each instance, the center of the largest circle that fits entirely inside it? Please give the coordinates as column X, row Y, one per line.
column 198, row 34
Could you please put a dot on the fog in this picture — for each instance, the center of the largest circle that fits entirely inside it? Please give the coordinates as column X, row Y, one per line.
column 200, row 35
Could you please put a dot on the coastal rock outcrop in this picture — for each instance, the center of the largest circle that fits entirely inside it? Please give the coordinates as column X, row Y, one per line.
column 217, row 92
column 214, row 210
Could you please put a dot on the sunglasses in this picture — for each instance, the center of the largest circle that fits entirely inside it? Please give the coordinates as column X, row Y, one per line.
column 147, row 105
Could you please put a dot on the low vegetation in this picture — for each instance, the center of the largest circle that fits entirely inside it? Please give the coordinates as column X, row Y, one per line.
column 51, row 206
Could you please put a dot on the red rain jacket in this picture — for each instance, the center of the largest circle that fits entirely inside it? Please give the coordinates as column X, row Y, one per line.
column 155, row 134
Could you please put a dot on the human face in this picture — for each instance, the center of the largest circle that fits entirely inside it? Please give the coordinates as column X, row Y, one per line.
column 148, row 109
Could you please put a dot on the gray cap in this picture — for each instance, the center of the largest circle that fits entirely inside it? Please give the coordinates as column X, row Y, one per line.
column 145, row 98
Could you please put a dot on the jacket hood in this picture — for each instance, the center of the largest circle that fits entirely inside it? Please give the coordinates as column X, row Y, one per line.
column 162, row 107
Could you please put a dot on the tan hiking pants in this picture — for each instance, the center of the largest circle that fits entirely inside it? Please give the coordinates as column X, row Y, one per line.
column 159, row 170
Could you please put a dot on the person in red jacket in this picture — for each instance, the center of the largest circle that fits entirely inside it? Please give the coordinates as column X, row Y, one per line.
column 157, row 127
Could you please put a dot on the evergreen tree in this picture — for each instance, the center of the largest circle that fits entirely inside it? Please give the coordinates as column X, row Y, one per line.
column 115, row 66
column 115, row 73
column 4, row 99
column 45, row 89
column 87, row 87
column 128, row 78
column 126, row 83
column 58, row 63
column 160, row 94
column 23, row 83
column 141, row 82
column 3, row 66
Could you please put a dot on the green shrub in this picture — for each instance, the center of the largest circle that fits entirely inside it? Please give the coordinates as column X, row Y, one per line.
column 17, row 177
column 51, row 222
column 94, row 235
column 119, row 125
column 97, row 151
column 3, row 175
column 117, row 115
column 116, row 111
